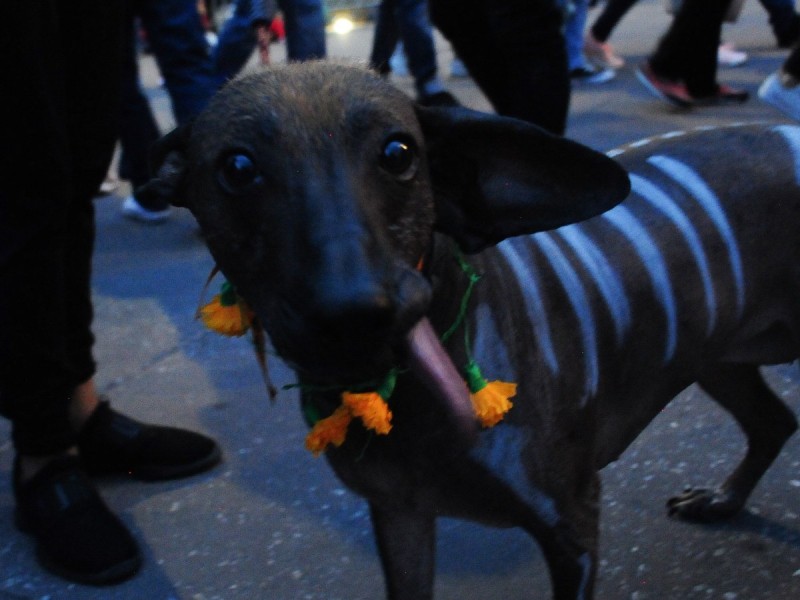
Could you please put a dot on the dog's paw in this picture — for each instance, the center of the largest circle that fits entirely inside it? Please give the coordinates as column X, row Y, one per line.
column 704, row 505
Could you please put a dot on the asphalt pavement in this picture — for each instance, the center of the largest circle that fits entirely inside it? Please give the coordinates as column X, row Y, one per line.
column 273, row 522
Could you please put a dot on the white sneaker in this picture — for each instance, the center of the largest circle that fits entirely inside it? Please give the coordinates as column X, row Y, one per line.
column 457, row 68
column 729, row 56
column 133, row 210
column 591, row 75
column 783, row 92
column 398, row 62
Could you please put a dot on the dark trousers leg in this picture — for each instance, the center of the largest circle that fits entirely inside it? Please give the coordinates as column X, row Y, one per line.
column 688, row 50
column 58, row 138
column 792, row 63
column 385, row 38
column 138, row 129
column 515, row 52
column 612, row 14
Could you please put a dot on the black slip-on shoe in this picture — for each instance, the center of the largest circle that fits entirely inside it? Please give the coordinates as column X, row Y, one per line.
column 113, row 444
column 77, row 536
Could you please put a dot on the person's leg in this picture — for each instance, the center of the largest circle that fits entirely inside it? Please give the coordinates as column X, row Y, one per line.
column 385, row 38
column 607, row 20
column 66, row 63
column 463, row 23
column 532, row 50
column 416, row 33
column 36, row 379
column 138, row 129
column 236, row 41
column 305, row 29
column 784, row 20
column 791, row 65
column 178, row 42
column 515, row 52
column 573, row 34
column 782, row 88
column 688, row 50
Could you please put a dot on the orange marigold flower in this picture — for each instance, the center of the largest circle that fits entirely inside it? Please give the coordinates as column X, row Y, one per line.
column 371, row 409
column 227, row 320
column 227, row 313
column 330, row 430
column 491, row 403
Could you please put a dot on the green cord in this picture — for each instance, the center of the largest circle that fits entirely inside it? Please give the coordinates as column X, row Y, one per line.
column 474, row 278
column 385, row 387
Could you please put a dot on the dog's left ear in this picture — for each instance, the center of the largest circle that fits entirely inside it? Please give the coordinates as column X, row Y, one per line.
column 496, row 177
column 168, row 166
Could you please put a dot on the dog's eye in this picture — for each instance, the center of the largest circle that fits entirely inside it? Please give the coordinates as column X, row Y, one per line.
column 399, row 157
column 237, row 172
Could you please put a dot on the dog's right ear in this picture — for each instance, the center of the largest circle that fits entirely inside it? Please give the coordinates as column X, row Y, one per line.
column 168, row 166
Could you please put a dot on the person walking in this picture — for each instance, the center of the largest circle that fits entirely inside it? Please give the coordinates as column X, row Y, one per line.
column 59, row 128
column 683, row 68
column 176, row 37
column 407, row 21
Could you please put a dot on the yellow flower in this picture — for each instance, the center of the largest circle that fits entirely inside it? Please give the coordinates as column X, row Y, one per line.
column 330, row 430
column 371, row 409
column 227, row 313
column 490, row 400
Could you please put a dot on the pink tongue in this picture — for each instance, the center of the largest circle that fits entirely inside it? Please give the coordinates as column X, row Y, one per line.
column 431, row 364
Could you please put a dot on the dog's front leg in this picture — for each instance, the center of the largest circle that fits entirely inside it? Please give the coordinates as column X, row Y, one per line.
column 406, row 542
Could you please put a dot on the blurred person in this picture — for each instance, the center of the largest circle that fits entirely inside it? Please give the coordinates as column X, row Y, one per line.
column 783, row 18
column 176, row 37
column 250, row 25
column 683, row 68
column 580, row 69
column 782, row 88
column 59, row 129
column 407, row 20
column 515, row 52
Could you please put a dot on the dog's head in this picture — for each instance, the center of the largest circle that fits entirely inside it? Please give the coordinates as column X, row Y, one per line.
column 319, row 188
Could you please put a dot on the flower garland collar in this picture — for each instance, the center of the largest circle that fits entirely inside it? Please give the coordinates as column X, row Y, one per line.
column 228, row 314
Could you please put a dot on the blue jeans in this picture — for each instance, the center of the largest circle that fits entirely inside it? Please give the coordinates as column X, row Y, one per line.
column 178, row 42
column 574, row 26
column 407, row 20
column 305, row 34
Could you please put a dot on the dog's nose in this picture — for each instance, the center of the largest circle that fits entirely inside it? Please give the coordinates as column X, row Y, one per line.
column 354, row 306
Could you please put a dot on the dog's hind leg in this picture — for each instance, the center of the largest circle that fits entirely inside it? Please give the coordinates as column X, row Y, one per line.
column 764, row 419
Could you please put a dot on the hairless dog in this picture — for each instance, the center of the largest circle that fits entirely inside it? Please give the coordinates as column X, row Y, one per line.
column 363, row 229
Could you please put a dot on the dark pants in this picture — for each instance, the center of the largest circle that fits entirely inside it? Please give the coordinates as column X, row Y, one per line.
column 688, row 51
column 515, row 52
column 177, row 39
column 405, row 20
column 59, row 126
column 792, row 63
column 612, row 14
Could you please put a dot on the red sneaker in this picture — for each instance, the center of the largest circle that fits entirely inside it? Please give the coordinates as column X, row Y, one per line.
column 725, row 95
column 670, row 90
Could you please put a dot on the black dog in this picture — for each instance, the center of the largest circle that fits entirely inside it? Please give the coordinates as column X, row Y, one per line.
column 342, row 213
